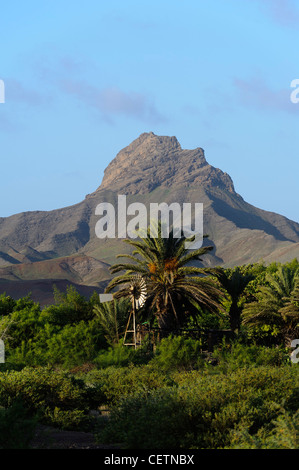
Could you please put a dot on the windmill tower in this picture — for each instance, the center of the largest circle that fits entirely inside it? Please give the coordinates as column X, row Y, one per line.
column 138, row 294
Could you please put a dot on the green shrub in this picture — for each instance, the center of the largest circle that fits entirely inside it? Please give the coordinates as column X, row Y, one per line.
column 113, row 318
column 7, row 304
column 75, row 344
column 203, row 410
column 24, row 324
column 178, row 353
column 69, row 346
column 155, row 421
column 283, row 435
column 237, row 355
column 70, row 308
column 42, row 388
column 32, row 351
column 70, row 420
column 119, row 355
column 16, row 427
column 113, row 384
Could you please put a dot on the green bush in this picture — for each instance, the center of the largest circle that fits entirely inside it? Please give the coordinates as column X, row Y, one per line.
column 32, row 351
column 70, row 308
column 236, row 355
column 119, row 355
column 203, row 410
column 155, row 421
column 43, row 389
column 75, row 344
column 284, row 434
column 178, row 353
column 70, row 420
column 16, row 427
column 34, row 337
column 113, row 384
column 68, row 346
column 23, row 325
column 7, row 304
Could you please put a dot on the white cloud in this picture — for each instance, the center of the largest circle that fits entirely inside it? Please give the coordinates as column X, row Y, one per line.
column 113, row 101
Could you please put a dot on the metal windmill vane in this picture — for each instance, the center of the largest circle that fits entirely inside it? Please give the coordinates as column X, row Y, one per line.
column 138, row 291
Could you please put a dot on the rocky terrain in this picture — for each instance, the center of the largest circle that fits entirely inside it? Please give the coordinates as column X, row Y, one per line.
column 152, row 161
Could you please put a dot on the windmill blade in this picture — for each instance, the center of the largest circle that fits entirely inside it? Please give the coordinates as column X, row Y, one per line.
column 139, row 291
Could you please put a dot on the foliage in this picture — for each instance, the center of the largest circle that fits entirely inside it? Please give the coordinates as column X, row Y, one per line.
column 69, row 346
column 114, row 384
column 237, row 355
column 42, row 389
column 276, row 304
column 75, row 344
column 7, row 304
column 113, row 318
column 284, row 434
column 245, row 394
column 178, row 353
column 119, row 355
column 70, row 420
column 24, row 324
column 153, row 422
column 36, row 337
column 203, row 410
column 16, row 427
column 70, row 308
column 290, row 310
column 173, row 282
column 203, row 319
column 234, row 282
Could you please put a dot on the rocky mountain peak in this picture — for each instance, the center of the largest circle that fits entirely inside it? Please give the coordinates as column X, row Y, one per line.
column 151, row 161
column 148, row 141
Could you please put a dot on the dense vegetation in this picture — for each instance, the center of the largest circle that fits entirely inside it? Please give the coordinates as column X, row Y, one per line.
column 68, row 359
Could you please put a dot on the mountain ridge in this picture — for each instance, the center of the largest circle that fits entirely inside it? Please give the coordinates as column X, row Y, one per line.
column 150, row 169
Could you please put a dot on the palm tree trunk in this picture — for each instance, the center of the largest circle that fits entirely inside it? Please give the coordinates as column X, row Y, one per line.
column 165, row 318
column 235, row 316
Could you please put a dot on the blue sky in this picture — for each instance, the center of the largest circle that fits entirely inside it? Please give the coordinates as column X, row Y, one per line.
column 84, row 79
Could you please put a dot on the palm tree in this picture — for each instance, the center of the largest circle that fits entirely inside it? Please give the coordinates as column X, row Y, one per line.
column 113, row 317
column 290, row 314
column 173, row 283
column 234, row 283
column 277, row 303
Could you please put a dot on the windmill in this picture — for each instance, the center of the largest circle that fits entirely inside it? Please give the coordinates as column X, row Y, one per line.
column 137, row 294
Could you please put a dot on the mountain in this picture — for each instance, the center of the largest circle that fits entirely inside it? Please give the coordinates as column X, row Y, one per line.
column 61, row 245
column 152, row 161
